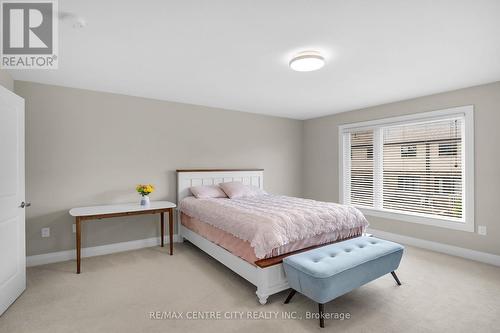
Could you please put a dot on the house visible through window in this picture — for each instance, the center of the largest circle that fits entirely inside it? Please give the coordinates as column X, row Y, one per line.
column 448, row 149
column 417, row 167
column 369, row 153
column 407, row 183
column 447, row 185
column 408, row 151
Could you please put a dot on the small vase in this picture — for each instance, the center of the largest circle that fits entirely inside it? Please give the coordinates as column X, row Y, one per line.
column 144, row 200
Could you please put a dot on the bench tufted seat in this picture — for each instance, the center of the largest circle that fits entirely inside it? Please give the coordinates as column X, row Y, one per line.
column 328, row 272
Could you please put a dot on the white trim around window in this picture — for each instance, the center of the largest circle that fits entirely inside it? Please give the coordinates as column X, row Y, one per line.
column 465, row 113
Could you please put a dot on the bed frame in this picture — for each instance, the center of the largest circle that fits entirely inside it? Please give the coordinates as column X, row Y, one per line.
column 268, row 280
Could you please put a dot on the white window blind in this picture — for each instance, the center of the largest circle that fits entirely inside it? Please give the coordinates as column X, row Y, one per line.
column 426, row 181
column 415, row 166
column 361, row 168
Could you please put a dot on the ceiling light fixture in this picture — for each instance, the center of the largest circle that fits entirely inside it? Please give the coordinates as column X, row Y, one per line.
column 307, row 61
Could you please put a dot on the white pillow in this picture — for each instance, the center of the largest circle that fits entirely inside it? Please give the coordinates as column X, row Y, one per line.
column 207, row 191
column 239, row 190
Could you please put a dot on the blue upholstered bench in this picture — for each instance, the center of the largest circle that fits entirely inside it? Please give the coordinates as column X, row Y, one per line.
column 328, row 272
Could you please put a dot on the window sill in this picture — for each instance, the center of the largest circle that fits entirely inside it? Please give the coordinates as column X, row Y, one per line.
column 436, row 222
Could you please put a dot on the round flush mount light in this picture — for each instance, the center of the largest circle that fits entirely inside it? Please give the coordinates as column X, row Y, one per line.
column 307, row 61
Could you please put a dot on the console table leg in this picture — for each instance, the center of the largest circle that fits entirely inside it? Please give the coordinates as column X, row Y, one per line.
column 171, row 229
column 78, row 244
column 162, row 224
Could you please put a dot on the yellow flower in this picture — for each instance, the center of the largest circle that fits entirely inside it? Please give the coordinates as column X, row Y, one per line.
column 145, row 189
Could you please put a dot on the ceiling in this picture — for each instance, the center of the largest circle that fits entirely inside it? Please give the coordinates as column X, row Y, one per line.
column 234, row 54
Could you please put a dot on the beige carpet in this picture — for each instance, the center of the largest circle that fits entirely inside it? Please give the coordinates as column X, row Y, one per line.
column 116, row 293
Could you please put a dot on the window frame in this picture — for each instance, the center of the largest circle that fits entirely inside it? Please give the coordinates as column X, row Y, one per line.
column 467, row 221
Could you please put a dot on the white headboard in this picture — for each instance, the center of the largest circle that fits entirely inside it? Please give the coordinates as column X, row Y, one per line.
column 188, row 178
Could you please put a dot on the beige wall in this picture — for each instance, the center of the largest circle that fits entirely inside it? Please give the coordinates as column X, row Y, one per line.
column 88, row 148
column 321, row 162
column 6, row 80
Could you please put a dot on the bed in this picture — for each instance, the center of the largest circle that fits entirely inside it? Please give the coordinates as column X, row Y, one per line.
column 251, row 236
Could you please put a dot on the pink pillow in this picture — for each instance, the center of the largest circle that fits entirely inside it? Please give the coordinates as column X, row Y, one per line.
column 239, row 190
column 207, row 191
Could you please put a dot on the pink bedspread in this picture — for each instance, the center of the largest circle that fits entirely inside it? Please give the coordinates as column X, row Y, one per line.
column 242, row 248
column 270, row 221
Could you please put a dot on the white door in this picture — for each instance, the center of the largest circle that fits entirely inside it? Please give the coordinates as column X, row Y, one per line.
column 12, row 207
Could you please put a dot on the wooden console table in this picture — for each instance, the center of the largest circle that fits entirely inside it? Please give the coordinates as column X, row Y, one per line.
column 103, row 212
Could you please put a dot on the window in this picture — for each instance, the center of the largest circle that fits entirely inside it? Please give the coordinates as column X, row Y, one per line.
column 361, row 168
column 408, row 151
column 415, row 168
column 369, row 153
column 448, row 149
column 448, row 185
column 407, row 183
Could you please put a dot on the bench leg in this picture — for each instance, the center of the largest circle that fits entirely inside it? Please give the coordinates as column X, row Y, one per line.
column 321, row 314
column 290, row 295
column 396, row 278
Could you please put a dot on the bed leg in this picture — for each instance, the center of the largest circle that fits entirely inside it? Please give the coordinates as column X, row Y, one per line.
column 262, row 297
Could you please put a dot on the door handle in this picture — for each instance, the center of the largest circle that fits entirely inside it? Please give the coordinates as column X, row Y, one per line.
column 25, row 204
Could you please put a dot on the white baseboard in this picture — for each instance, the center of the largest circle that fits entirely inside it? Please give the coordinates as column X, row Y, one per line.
column 487, row 258
column 48, row 258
